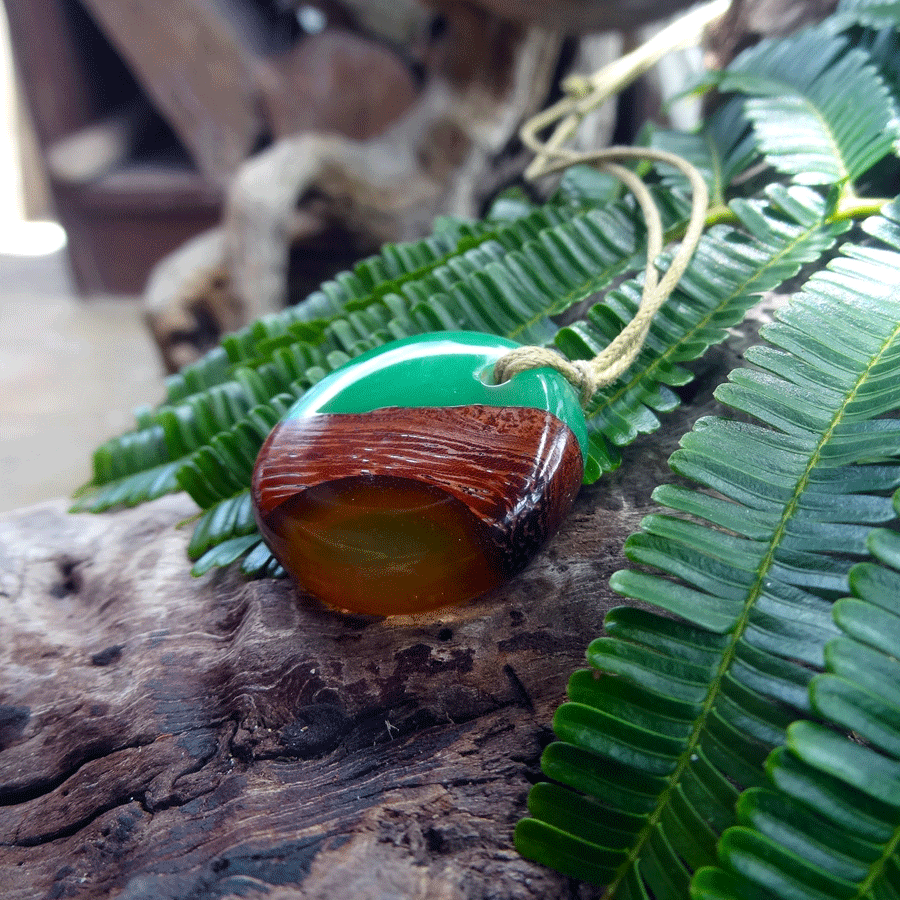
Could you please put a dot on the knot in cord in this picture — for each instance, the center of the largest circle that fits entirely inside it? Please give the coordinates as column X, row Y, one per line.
column 579, row 373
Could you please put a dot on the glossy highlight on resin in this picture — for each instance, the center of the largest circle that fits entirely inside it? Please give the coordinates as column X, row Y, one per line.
column 405, row 508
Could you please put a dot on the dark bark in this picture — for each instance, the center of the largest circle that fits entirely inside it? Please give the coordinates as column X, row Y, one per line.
column 170, row 737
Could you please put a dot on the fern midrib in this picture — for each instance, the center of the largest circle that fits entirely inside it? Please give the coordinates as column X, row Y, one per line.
column 717, row 194
column 877, row 868
column 845, row 172
column 728, row 656
column 589, row 286
column 740, row 290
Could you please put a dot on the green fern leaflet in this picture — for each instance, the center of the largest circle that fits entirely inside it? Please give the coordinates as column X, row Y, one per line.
column 827, row 823
column 675, row 716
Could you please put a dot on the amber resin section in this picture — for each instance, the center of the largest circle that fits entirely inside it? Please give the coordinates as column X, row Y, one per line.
column 402, row 510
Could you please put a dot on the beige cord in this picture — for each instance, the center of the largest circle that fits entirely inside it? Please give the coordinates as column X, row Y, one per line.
column 588, row 376
column 584, row 94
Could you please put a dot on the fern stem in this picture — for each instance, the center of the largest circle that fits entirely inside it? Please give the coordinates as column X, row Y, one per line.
column 852, row 207
column 849, row 208
column 720, row 215
column 876, row 870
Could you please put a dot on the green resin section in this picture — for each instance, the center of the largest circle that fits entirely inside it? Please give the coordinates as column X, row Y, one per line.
column 447, row 368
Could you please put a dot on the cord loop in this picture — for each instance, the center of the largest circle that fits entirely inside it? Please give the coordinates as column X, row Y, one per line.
column 588, row 376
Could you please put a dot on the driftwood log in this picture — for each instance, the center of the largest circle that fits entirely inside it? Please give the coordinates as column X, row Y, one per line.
column 336, row 184
column 167, row 737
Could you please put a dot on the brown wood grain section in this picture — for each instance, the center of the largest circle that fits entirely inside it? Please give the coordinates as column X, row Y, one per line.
column 517, row 469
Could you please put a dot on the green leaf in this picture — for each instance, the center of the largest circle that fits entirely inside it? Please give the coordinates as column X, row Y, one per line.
column 772, row 867
column 225, row 554
column 871, row 13
column 720, row 150
column 831, row 821
column 731, row 268
column 799, row 108
column 260, row 561
column 587, row 186
column 725, row 682
column 232, row 516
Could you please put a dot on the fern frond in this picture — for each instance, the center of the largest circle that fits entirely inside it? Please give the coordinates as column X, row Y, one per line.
column 144, row 464
column 721, row 150
column 731, row 268
column 883, row 47
column 827, row 825
column 799, row 111
column 676, row 716
column 511, row 285
column 582, row 186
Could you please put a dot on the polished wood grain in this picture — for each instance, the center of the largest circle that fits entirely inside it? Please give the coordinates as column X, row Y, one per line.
column 399, row 510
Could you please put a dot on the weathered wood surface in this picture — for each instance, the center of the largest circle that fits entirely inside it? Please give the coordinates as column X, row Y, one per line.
column 166, row 737
column 163, row 736
column 189, row 301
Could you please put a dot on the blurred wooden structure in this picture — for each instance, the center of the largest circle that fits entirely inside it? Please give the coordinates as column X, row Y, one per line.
column 122, row 187
column 145, row 112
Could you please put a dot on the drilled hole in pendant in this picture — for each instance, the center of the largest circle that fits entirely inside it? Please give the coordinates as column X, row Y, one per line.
column 486, row 376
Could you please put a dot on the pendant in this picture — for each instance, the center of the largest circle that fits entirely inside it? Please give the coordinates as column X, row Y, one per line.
column 406, row 480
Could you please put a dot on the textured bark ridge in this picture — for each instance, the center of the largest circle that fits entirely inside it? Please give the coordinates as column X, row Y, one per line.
column 163, row 736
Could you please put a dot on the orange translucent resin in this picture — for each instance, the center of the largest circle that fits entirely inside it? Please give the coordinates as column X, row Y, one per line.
column 376, row 544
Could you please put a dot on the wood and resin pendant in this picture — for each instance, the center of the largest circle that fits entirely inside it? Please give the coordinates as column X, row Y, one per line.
column 406, row 480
